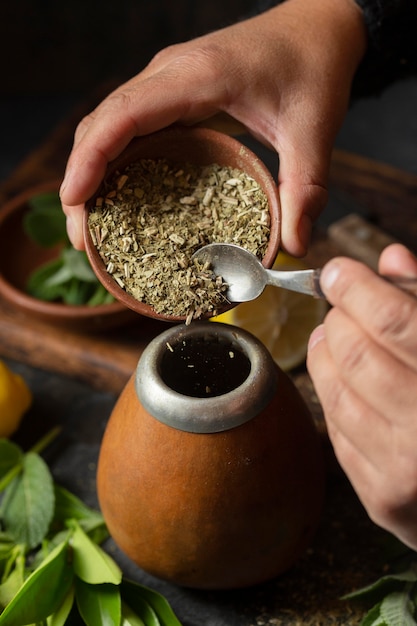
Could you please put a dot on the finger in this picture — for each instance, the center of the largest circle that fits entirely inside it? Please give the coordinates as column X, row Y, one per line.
column 301, row 204
column 75, row 225
column 386, row 313
column 158, row 63
column 103, row 136
column 150, row 105
column 303, row 170
column 384, row 495
column 345, row 412
column 304, row 141
column 379, row 460
column 379, row 379
column 396, row 259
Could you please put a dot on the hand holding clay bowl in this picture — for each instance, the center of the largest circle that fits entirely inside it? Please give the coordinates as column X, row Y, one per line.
column 164, row 197
column 20, row 256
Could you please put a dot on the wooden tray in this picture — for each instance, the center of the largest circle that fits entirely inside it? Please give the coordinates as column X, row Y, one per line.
column 346, row 553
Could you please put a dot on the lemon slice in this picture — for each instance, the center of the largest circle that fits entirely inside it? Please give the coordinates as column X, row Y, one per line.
column 283, row 320
column 15, row 400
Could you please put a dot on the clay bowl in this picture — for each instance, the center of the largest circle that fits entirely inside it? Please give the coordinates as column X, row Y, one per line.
column 200, row 146
column 19, row 256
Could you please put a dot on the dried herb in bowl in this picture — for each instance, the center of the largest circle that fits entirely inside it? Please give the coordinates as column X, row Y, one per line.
column 150, row 218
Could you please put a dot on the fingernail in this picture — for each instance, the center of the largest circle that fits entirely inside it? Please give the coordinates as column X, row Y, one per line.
column 304, row 230
column 329, row 275
column 71, row 229
column 64, row 183
column 316, row 336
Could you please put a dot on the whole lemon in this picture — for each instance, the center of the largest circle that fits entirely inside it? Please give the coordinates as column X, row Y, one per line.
column 15, row 399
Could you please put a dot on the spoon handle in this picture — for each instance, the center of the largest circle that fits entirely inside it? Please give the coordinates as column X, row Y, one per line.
column 308, row 281
column 406, row 283
column 302, row 281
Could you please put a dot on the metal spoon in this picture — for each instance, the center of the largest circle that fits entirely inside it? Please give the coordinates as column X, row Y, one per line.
column 247, row 277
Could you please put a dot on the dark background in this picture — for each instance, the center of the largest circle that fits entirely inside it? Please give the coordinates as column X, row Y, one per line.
column 53, row 54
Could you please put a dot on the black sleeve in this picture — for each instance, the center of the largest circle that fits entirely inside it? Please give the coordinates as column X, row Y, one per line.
column 392, row 43
column 392, row 50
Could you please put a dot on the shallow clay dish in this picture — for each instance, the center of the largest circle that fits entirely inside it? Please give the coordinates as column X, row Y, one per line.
column 200, row 146
column 19, row 256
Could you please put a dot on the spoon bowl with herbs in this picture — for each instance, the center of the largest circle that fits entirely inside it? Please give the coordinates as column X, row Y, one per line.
column 246, row 277
column 164, row 197
column 41, row 275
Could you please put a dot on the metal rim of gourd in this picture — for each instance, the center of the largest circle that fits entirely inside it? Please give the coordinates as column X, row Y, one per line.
column 206, row 414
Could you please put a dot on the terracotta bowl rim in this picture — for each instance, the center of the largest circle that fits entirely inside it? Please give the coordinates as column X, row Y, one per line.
column 173, row 133
column 16, row 297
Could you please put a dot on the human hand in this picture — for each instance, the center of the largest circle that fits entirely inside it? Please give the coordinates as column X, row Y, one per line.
column 363, row 363
column 285, row 75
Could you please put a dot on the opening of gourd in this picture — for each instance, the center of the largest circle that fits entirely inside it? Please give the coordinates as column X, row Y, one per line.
column 203, row 367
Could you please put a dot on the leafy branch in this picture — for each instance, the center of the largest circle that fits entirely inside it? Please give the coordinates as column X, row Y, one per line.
column 51, row 564
column 394, row 596
column 68, row 278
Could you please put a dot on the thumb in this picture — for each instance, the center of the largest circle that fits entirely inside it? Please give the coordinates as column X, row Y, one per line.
column 303, row 195
column 397, row 259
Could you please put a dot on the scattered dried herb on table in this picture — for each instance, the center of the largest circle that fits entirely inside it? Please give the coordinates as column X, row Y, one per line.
column 150, row 218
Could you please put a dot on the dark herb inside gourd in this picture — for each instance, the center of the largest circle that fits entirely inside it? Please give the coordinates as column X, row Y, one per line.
column 68, row 278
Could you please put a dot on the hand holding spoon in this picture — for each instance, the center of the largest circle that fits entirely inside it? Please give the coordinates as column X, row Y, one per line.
column 247, row 277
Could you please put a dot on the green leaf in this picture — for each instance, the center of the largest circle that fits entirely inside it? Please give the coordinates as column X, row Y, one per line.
column 91, row 564
column 11, row 585
column 69, row 278
column 16, row 558
column 5, row 537
column 73, row 264
column 76, row 292
column 38, row 284
column 43, row 201
column 145, row 612
column 384, row 585
column 134, row 594
column 43, row 592
column 373, row 617
column 99, row 605
column 28, row 503
column 6, row 546
column 45, row 223
column 62, row 275
column 413, row 594
column 397, row 609
column 79, row 265
column 59, row 617
column 68, row 506
column 48, row 545
column 129, row 618
column 100, row 296
column 10, row 456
